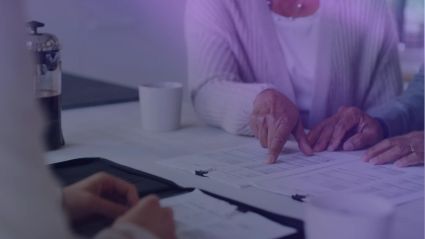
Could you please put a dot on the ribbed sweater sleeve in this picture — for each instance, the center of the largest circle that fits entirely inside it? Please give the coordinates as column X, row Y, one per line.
column 386, row 77
column 219, row 95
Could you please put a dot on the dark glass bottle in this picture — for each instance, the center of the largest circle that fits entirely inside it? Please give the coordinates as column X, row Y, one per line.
column 48, row 82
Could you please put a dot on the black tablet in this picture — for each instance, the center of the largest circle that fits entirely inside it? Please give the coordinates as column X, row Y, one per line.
column 74, row 170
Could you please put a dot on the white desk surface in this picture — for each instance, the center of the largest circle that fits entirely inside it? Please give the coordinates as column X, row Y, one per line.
column 114, row 132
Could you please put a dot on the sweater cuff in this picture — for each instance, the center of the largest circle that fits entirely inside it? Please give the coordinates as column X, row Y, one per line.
column 228, row 104
column 384, row 127
column 125, row 231
column 393, row 117
column 237, row 120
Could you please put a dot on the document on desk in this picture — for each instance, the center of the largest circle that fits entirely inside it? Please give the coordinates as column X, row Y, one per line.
column 198, row 215
column 395, row 184
column 243, row 165
column 295, row 173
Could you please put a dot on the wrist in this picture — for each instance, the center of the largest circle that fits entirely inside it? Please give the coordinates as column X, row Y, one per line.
column 383, row 126
column 268, row 91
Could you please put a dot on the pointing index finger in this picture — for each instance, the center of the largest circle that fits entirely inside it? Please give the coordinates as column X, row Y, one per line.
column 280, row 132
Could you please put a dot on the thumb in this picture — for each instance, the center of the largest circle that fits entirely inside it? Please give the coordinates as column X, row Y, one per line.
column 301, row 138
column 107, row 208
column 358, row 141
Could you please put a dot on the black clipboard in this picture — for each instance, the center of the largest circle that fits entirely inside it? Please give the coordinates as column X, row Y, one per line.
column 74, row 170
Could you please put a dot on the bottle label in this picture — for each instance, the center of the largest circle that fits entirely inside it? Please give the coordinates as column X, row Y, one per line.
column 49, row 73
column 49, row 60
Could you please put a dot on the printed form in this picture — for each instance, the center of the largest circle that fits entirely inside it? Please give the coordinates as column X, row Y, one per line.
column 198, row 215
column 295, row 173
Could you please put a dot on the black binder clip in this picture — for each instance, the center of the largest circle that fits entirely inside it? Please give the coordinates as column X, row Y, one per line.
column 202, row 173
column 299, row 198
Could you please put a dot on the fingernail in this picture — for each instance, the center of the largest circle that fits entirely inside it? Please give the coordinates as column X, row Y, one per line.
column 309, row 151
column 373, row 161
column 271, row 159
column 398, row 164
column 331, row 148
column 348, row 146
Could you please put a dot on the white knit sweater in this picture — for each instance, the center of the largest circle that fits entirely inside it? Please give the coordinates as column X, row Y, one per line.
column 234, row 54
column 30, row 204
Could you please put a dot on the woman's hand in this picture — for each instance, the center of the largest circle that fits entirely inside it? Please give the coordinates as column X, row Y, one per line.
column 273, row 120
column 106, row 195
column 405, row 150
column 349, row 129
column 100, row 194
column 151, row 216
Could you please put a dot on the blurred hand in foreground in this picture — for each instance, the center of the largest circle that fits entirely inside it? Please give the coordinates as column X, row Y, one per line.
column 106, row 195
column 100, row 194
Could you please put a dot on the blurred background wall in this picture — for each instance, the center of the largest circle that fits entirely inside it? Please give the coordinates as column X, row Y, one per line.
column 409, row 15
column 123, row 41
column 134, row 41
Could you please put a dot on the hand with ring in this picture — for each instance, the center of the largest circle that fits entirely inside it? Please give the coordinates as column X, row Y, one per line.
column 403, row 151
column 349, row 129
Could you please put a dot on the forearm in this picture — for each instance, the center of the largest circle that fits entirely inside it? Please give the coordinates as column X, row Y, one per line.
column 218, row 94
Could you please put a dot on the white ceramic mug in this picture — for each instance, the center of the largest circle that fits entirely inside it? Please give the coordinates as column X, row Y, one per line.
column 160, row 106
column 348, row 216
